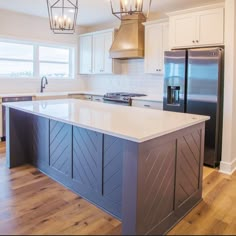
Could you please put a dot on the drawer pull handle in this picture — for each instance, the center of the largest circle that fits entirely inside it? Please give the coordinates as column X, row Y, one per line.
column 147, row 105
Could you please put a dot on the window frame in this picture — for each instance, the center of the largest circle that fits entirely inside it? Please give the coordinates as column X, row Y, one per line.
column 36, row 60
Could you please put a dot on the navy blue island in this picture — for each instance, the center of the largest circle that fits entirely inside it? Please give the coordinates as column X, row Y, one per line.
column 144, row 167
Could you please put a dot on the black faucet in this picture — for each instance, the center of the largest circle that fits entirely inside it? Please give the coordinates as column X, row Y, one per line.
column 43, row 84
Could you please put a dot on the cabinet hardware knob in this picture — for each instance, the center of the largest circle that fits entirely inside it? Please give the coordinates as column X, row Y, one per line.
column 193, row 41
column 197, row 41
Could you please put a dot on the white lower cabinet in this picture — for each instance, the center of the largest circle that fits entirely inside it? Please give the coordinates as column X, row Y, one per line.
column 148, row 104
column 47, row 97
column 97, row 98
column 81, row 96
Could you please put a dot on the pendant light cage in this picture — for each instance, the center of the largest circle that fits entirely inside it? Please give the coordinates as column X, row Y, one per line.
column 62, row 15
column 122, row 9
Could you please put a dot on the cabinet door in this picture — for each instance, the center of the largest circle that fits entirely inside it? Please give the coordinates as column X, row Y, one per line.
column 86, row 55
column 98, row 53
column 154, row 50
column 108, row 62
column 165, row 38
column 210, row 27
column 183, row 30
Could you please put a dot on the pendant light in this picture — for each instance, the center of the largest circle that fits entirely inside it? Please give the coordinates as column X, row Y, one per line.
column 124, row 8
column 62, row 15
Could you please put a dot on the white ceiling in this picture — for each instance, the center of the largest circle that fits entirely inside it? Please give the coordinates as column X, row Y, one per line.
column 95, row 12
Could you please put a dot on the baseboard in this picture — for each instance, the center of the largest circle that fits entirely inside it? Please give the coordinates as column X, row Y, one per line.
column 228, row 168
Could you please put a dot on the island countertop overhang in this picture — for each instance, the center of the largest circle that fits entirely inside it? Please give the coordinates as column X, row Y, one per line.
column 129, row 123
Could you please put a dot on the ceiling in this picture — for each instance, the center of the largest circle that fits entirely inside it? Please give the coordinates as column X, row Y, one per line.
column 95, row 12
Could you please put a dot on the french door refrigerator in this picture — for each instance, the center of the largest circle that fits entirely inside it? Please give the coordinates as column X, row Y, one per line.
column 193, row 83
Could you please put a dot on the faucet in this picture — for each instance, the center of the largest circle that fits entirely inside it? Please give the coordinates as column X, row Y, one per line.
column 44, row 81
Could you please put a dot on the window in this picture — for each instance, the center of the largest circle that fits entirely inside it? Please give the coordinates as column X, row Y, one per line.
column 35, row 60
column 16, row 60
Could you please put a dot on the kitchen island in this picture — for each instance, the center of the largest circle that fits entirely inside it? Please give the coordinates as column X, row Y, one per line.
column 142, row 166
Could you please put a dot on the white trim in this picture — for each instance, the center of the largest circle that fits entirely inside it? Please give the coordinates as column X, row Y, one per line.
column 202, row 8
column 164, row 20
column 228, row 168
column 98, row 32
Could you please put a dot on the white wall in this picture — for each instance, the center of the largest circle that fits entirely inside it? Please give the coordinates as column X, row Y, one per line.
column 25, row 27
column 228, row 164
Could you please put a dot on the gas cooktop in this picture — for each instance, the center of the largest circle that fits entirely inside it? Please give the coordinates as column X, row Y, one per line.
column 121, row 97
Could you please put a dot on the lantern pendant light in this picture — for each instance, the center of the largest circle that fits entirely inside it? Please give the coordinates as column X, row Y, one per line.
column 62, row 15
column 122, row 9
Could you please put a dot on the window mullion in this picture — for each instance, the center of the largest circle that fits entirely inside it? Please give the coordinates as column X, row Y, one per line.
column 36, row 62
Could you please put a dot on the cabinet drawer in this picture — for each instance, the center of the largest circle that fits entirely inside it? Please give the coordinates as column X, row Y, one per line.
column 81, row 96
column 148, row 104
column 41, row 98
column 98, row 98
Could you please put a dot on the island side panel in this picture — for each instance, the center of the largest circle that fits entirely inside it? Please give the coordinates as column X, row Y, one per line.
column 152, row 177
column 193, row 141
column 156, row 184
column 17, row 137
column 130, row 188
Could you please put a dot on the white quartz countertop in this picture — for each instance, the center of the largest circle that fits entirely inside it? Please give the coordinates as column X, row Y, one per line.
column 130, row 123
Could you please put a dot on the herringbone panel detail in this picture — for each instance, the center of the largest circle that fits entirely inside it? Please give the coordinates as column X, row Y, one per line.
column 60, row 147
column 188, row 157
column 113, row 161
column 158, row 184
column 87, row 158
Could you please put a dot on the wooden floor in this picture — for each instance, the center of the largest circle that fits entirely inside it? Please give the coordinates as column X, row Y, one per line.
column 31, row 203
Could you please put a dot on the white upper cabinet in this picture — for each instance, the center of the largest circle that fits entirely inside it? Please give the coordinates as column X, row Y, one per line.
column 98, row 61
column 109, row 64
column 197, row 29
column 102, row 63
column 98, row 53
column 210, row 27
column 86, row 55
column 182, row 30
column 156, row 42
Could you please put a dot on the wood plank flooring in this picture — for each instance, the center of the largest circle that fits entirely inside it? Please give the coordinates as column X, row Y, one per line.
column 31, row 203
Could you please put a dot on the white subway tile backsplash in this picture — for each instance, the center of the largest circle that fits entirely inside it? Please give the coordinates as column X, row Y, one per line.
column 131, row 79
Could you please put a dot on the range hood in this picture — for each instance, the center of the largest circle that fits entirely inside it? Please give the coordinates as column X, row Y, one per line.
column 129, row 40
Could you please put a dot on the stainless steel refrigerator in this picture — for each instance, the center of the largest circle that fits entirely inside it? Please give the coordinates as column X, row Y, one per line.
column 193, row 83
